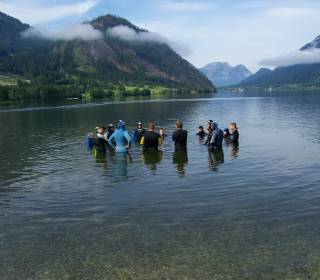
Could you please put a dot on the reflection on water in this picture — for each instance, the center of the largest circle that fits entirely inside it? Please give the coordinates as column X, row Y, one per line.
column 216, row 157
column 180, row 159
column 152, row 158
column 68, row 213
column 235, row 151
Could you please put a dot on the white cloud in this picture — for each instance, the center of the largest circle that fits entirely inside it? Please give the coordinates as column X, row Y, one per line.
column 129, row 34
column 293, row 58
column 241, row 32
column 35, row 13
column 186, row 7
column 70, row 32
column 290, row 12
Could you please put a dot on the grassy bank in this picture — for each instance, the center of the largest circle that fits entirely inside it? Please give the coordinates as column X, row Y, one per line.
column 15, row 89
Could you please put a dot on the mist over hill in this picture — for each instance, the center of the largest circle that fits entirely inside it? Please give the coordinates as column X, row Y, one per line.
column 96, row 55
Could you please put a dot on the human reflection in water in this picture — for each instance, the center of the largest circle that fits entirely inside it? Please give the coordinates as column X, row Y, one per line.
column 120, row 162
column 216, row 157
column 234, row 151
column 101, row 158
column 180, row 159
column 152, row 159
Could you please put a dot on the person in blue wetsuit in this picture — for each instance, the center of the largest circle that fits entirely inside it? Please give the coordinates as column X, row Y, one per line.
column 121, row 138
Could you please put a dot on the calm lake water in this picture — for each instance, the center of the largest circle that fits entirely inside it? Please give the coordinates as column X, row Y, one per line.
column 251, row 213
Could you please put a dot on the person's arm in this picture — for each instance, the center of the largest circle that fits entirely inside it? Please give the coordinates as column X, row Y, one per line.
column 213, row 138
column 110, row 140
column 127, row 136
column 142, row 141
column 174, row 136
column 134, row 136
column 207, row 141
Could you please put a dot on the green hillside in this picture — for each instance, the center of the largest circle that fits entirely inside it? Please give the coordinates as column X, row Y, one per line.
column 57, row 69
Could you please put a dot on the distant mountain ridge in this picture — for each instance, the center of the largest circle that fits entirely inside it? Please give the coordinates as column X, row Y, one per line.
column 222, row 74
column 95, row 63
column 297, row 76
column 315, row 44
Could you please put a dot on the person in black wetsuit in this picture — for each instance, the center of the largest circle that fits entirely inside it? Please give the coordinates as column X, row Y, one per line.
column 226, row 134
column 100, row 140
column 234, row 136
column 162, row 133
column 210, row 130
column 151, row 139
column 201, row 133
column 138, row 133
column 110, row 130
column 215, row 136
column 180, row 137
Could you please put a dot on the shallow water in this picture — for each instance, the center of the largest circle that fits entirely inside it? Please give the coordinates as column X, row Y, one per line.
column 251, row 213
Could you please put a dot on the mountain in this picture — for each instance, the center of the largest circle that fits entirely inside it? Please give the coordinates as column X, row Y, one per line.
column 315, row 44
column 256, row 76
column 299, row 76
column 294, row 76
column 222, row 74
column 101, row 63
column 10, row 33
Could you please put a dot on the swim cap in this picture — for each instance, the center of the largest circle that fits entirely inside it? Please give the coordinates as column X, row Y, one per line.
column 121, row 124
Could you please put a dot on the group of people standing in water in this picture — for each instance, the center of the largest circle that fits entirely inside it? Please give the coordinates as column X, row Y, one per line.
column 120, row 140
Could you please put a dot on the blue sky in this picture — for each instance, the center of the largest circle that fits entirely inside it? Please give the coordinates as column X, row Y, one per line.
column 242, row 31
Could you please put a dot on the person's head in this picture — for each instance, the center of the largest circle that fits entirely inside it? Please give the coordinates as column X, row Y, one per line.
column 226, row 132
column 233, row 126
column 214, row 125
column 200, row 129
column 151, row 126
column 110, row 127
column 179, row 124
column 210, row 125
column 121, row 125
column 161, row 131
column 101, row 129
column 139, row 125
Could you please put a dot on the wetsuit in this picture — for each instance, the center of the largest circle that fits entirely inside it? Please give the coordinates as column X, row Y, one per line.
column 100, row 142
column 138, row 134
column 234, row 137
column 180, row 137
column 108, row 135
column 122, row 140
column 202, row 134
column 216, row 139
column 151, row 141
column 90, row 141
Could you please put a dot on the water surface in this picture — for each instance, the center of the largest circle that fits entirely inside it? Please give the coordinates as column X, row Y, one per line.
column 249, row 213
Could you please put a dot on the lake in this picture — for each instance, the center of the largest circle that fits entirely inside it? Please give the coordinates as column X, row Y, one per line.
column 249, row 213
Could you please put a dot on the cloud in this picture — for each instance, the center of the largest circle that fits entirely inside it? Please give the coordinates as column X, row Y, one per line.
column 35, row 13
column 293, row 58
column 290, row 12
column 75, row 31
column 186, row 7
column 128, row 34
